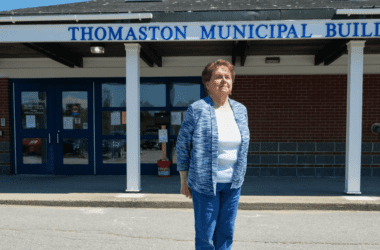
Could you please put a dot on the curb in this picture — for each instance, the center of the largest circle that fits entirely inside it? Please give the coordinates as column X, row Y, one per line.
column 187, row 205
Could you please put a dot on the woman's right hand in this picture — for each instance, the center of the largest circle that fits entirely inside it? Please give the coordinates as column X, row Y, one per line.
column 186, row 190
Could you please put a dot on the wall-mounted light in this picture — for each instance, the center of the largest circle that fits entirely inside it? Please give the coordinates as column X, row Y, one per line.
column 97, row 48
column 272, row 60
column 375, row 128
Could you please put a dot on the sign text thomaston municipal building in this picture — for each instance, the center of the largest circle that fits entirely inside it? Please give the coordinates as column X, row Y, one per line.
column 193, row 31
column 221, row 31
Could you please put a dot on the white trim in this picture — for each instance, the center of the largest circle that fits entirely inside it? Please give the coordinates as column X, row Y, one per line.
column 132, row 71
column 358, row 12
column 77, row 18
column 354, row 116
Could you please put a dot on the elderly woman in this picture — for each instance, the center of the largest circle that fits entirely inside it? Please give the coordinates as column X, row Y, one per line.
column 212, row 149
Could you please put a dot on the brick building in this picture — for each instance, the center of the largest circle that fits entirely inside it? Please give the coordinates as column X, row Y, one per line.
column 307, row 71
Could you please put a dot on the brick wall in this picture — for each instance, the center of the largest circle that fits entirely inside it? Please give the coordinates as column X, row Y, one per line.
column 5, row 139
column 296, row 116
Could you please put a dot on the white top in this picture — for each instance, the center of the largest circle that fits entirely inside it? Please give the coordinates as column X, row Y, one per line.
column 229, row 144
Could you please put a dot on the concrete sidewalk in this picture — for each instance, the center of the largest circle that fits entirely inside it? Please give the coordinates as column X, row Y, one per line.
column 258, row 193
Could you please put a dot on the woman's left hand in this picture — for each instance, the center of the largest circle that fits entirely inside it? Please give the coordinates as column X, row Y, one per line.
column 186, row 190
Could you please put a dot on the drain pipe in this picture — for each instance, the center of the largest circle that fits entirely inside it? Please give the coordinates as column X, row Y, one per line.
column 76, row 18
column 358, row 12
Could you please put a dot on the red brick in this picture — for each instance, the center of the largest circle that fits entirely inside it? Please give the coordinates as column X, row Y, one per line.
column 304, row 107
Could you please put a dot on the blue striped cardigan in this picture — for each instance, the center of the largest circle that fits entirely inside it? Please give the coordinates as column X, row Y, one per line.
column 197, row 145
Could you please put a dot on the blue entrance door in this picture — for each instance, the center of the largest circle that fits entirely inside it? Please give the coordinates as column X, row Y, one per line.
column 54, row 128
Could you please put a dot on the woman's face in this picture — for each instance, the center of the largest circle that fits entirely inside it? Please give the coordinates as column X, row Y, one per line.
column 220, row 82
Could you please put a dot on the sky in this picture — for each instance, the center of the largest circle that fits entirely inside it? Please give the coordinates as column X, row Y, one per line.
column 19, row 4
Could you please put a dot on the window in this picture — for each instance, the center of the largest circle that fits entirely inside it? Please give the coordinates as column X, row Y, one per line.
column 113, row 95
column 152, row 95
column 114, row 123
column 184, row 94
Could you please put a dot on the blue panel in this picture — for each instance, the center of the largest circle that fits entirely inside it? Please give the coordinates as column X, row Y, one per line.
column 287, row 171
column 324, row 159
column 269, row 146
column 269, row 159
column 5, row 158
column 366, row 159
column 5, row 146
column 366, row 147
column 288, row 146
column 306, row 147
column 340, row 159
column 288, row 159
column 340, row 147
column 376, row 147
column 306, row 171
column 325, row 146
column 376, row 172
column 376, row 159
column 366, row 172
column 321, row 172
column 253, row 159
column 268, row 172
column 112, row 169
column 306, row 159
column 339, row 172
column 252, row 171
column 254, row 147
column 149, row 169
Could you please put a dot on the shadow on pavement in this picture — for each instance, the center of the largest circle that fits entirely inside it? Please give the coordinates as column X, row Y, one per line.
column 252, row 186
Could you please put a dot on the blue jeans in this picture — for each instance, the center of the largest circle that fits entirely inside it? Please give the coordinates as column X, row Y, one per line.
column 215, row 217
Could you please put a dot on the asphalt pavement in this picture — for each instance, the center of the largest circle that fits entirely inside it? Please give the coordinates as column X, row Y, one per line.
column 258, row 193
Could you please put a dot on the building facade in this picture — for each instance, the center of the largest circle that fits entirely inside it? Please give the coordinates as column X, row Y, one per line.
column 308, row 74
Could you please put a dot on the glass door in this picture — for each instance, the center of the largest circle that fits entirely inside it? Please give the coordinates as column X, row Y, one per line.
column 74, row 129
column 34, row 128
column 54, row 128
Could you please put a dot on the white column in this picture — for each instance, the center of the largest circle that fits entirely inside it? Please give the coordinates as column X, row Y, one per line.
column 133, row 116
column 354, row 116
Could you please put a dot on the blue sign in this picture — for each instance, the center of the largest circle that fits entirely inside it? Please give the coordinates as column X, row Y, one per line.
column 193, row 31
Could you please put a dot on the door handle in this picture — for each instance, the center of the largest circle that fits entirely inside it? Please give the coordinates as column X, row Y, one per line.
column 49, row 139
column 57, row 137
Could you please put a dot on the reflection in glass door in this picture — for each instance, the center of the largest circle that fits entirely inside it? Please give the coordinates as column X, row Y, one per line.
column 75, row 117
